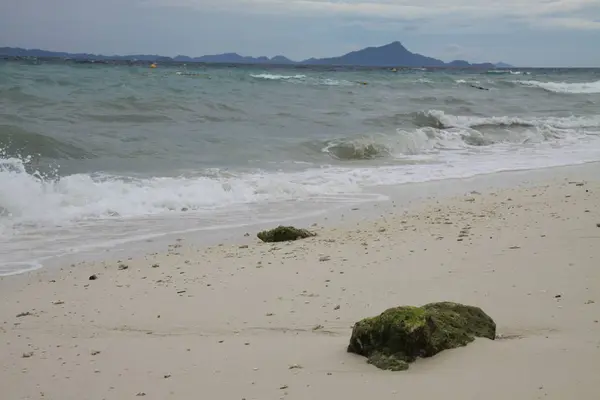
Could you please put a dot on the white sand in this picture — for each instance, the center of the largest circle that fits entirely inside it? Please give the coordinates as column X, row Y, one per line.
column 227, row 322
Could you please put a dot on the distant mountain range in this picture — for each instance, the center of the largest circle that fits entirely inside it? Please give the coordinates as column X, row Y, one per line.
column 390, row 55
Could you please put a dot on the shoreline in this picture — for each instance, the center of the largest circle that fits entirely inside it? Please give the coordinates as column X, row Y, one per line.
column 391, row 196
column 237, row 318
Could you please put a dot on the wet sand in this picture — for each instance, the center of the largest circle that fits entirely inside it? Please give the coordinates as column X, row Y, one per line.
column 267, row 321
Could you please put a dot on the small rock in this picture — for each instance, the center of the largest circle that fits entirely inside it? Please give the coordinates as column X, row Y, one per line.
column 123, row 267
column 324, row 258
column 244, row 246
column 24, row 314
column 295, row 366
column 28, row 354
column 167, row 376
column 590, row 302
column 155, row 265
column 514, row 247
column 598, row 225
column 58, row 302
column 141, row 394
column 558, row 296
column 283, row 234
column 283, row 387
column 317, row 327
column 336, row 307
column 93, row 277
column 95, row 352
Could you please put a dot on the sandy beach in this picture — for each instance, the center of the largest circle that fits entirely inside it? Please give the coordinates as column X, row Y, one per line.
column 258, row 321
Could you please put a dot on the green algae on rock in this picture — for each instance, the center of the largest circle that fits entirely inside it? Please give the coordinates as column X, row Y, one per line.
column 400, row 335
column 284, row 234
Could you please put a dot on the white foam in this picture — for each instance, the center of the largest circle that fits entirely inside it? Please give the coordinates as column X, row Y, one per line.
column 275, row 77
column 571, row 122
column 565, row 87
column 303, row 79
column 27, row 198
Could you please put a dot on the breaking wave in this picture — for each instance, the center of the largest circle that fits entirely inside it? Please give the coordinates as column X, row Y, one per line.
column 303, row 79
column 565, row 87
column 437, row 131
column 30, row 197
column 272, row 77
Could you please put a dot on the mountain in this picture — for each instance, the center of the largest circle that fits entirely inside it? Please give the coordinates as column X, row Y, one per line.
column 389, row 55
column 503, row 65
column 234, row 58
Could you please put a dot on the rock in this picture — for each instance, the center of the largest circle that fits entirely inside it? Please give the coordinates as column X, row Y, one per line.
column 400, row 335
column 389, row 363
column 123, row 267
column 24, row 314
column 284, row 234
column 93, row 277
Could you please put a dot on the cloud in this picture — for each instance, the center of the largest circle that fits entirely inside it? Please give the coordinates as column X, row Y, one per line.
column 521, row 32
column 541, row 13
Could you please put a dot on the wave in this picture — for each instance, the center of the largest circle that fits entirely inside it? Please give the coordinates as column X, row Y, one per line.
column 29, row 197
column 467, row 144
column 273, row 77
column 439, row 119
column 506, row 72
column 303, row 79
column 15, row 141
column 437, row 131
column 564, row 87
column 360, row 148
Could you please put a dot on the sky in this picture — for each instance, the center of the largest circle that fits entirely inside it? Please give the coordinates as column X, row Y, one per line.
column 524, row 33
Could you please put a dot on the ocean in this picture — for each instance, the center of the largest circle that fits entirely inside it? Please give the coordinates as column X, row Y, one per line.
column 95, row 155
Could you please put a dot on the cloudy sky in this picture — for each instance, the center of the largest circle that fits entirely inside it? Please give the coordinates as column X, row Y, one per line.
column 520, row 32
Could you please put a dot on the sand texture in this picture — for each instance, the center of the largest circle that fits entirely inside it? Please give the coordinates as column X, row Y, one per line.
column 272, row 321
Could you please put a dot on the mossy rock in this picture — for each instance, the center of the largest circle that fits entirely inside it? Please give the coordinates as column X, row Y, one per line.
column 400, row 335
column 284, row 234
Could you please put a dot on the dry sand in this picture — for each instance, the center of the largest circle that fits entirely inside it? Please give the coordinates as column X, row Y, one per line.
column 262, row 321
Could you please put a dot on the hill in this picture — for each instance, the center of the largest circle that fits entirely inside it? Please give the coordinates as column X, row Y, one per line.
column 389, row 55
